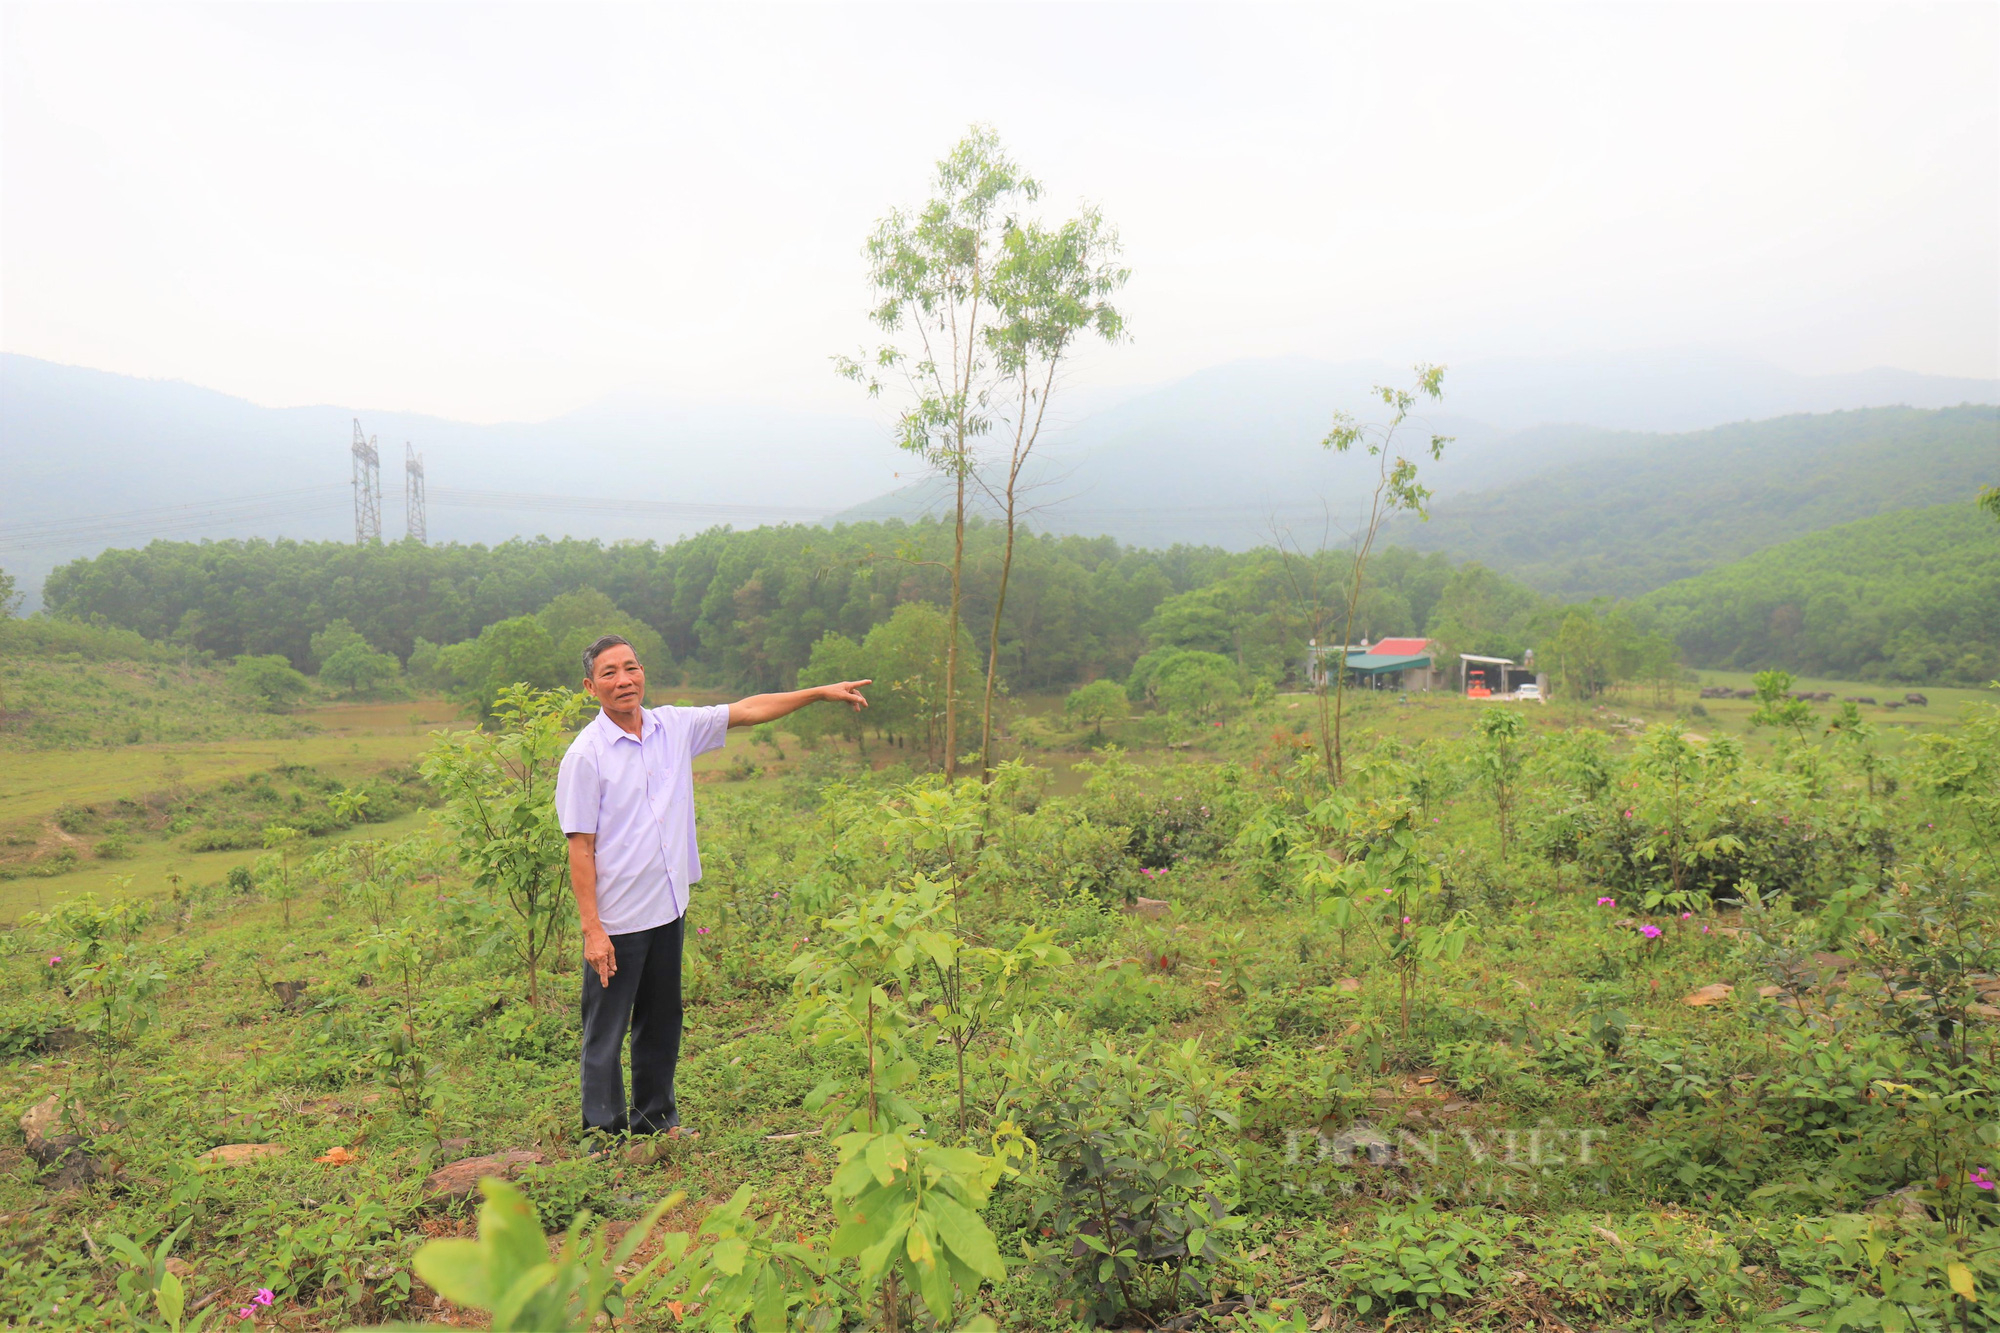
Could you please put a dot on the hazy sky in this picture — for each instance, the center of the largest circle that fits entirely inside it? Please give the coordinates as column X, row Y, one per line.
column 496, row 212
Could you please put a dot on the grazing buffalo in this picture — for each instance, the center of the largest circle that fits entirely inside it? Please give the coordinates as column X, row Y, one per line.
column 1917, row 699
column 1893, row 705
column 1868, row 699
column 1743, row 694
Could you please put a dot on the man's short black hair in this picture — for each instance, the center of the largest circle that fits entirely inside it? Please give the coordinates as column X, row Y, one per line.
column 608, row 641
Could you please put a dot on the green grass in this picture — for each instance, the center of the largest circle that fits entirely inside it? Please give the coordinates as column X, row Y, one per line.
column 349, row 743
column 1557, row 1016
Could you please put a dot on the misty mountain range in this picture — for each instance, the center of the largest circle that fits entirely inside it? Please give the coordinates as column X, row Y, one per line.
column 1227, row 456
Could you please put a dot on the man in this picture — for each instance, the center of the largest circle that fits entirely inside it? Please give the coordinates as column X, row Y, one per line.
column 625, row 798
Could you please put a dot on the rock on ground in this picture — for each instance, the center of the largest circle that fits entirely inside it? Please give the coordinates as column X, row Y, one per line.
column 231, row 1154
column 460, row 1179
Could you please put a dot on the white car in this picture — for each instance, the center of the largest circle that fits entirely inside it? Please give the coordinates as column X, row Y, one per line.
column 1533, row 692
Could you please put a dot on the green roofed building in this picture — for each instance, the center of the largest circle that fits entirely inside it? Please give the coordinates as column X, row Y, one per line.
column 1389, row 664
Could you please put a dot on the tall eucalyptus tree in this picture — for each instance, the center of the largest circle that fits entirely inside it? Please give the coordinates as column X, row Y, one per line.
column 983, row 304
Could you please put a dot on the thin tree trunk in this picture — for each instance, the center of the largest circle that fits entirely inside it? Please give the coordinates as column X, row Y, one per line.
column 1024, row 444
column 951, row 639
column 961, row 1091
column 1347, row 632
column 993, row 645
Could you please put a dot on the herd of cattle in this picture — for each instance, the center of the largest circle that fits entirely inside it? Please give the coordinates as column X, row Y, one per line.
column 1819, row 697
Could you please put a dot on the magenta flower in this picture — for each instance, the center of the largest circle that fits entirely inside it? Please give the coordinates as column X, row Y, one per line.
column 1628, row 814
column 263, row 1296
column 701, row 930
column 55, row 960
column 1977, row 1176
column 1607, row 902
column 1686, row 915
column 1406, row 921
column 1704, row 930
column 1651, row 932
column 246, row 1313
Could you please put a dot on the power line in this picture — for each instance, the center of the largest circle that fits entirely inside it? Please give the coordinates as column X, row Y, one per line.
column 460, row 498
column 171, row 520
column 194, row 516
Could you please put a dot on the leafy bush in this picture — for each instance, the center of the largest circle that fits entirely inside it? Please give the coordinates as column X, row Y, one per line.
column 1139, row 1179
column 1417, row 1257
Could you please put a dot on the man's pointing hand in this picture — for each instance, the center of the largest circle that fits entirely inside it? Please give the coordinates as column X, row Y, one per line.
column 846, row 692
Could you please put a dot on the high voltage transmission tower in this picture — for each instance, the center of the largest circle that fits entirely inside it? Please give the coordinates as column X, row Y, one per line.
column 367, row 490
column 413, row 493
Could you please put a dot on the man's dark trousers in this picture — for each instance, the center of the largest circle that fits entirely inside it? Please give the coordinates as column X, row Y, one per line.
column 644, row 994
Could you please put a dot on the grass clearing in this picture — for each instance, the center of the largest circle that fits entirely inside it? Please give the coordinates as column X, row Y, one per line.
column 1392, row 1073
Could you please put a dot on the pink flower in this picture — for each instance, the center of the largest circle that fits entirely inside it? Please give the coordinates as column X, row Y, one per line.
column 1628, row 814
column 701, row 930
column 263, row 1296
column 1651, row 932
column 246, row 1313
column 1406, row 921
column 1977, row 1176
column 1704, row 930
column 55, row 961
column 1686, row 915
column 1607, row 902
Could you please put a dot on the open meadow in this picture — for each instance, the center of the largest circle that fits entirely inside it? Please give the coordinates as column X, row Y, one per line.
column 1556, row 1015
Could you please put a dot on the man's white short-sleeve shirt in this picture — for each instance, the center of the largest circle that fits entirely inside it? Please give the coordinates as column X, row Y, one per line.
column 636, row 793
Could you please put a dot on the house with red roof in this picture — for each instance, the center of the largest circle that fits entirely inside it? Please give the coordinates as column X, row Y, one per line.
column 1387, row 664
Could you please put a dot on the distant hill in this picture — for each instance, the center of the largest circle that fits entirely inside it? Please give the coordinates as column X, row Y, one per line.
column 81, row 449
column 1908, row 596
column 1229, row 455
column 1636, row 512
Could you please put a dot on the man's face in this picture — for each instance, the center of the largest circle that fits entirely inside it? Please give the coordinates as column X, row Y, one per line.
column 617, row 681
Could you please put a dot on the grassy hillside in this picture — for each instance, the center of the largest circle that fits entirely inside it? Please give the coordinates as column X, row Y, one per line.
column 1621, row 523
column 1909, row 596
column 1599, row 1101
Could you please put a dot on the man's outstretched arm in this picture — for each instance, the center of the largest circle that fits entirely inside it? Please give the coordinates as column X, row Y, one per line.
column 770, row 707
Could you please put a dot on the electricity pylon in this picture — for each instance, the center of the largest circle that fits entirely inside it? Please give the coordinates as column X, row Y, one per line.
column 367, row 490
column 413, row 493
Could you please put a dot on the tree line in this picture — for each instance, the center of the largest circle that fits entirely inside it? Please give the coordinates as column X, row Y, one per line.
column 746, row 610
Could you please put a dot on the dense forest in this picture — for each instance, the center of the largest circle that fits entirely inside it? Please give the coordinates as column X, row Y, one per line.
column 1910, row 596
column 746, row 608
column 1656, row 509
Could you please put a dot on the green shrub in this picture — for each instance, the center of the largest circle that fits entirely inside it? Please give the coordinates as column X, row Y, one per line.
column 1138, row 1185
column 1123, row 1004
column 1416, row 1257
